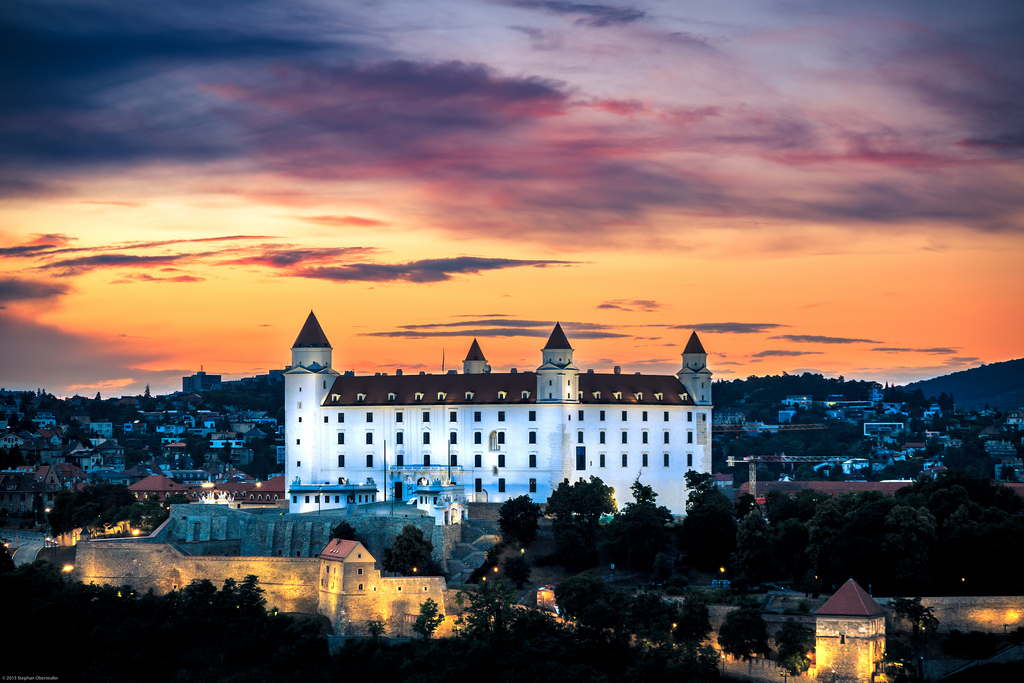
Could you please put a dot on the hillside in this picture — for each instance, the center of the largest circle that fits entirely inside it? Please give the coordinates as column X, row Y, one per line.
column 1000, row 385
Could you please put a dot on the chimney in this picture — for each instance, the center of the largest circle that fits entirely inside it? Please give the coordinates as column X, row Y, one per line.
column 618, row 369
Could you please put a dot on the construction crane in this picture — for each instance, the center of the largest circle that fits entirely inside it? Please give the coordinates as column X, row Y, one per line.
column 754, row 460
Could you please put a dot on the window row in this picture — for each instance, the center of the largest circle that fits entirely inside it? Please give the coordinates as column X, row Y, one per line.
column 498, row 438
column 453, row 416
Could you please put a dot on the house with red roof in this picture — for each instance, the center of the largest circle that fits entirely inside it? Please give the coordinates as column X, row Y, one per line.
column 850, row 635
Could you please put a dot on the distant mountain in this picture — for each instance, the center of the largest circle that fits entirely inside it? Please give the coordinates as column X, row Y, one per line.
column 1000, row 385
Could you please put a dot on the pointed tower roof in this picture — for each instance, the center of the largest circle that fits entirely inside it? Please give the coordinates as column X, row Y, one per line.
column 312, row 335
column 694, row 345
column 851, row 601
column 557, row 340
column 474, row 352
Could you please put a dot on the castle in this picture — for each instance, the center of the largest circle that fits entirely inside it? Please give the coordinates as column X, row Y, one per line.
column 441, row 440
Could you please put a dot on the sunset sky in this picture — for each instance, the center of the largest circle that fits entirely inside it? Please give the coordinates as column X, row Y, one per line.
column 822, row 186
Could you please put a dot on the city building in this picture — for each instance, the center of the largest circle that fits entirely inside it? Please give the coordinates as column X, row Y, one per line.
column 362, row 439
column 200, row 382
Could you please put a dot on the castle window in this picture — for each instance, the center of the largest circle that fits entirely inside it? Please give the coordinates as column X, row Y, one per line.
column 600, row 437
column 666, row 460
column 638, row 396
column 360, row 397
column 476, row 416
column 361, row 587
column 298, row 442
column 392, row 396
column 502, row 395
column 369, row 460
column 666, row 416
column 453, row 438
column 469, row 395
column 601, row 416
column 426, row 438
column 501, row 486
column 643, row 437
column 300, row 418
column 341, row 417
column 624, row 416
column 501, row 416
column 478, row 438
column 643, row 460
column 600, row 460
column 398, row 416
column 689, row 437
column 501, row 459
column 665, row 440
column 341, row 438
column 441, row 396
column 581, row 416
column 579, row 437
column 399, row 438
column 326, row 419
column 419, row 396
column 532, row 437
column 426, row 459
column 689, row 459
column 597, row 395
column 369, row 438
column 399, row 460
column 478, row 460
column 658, row 396
column 426, row 416
column 625, row 460
column 369, row 417
column 454, row 460
column 501, row 438
column 643, row 416
column 617, row 395
column 625, row 437
column 453, row 416
column 341, row 460
column 299, row 404
column 478, row 485
column 307, row 500
column 533, row 486
column 359, row 571
column 533, row 460
column 532, row 416
column 525, row 395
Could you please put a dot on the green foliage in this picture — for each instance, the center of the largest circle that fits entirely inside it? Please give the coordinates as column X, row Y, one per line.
column 744, row 633
column 375, row 627
column 6, row 561
column 411, row 553
column 920, row 617
column 693, row 622
column 637, row 534
column 752, row 557
column 795, row 641
column 517, row 570
column 347, row 532
column 577, row 509
column 102, row 506
column 708, row 532
column 517, row 519
column 429, row 619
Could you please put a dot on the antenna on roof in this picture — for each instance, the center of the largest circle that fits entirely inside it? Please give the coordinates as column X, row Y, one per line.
column 442, row 360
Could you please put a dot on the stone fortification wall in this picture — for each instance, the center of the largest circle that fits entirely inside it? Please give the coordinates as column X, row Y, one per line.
column 394, row 600
column 273, row 534
column 290, row 583
column 969, row 613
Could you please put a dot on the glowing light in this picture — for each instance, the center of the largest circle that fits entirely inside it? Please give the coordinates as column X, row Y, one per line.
column 69, row 568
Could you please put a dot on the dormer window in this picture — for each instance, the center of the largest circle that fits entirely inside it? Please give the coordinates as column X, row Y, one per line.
column 469, row 395
column 392, row 396
column 659, row 396
column 360, row 397
column 597, row 395
column 526, row 394
column 502, row 395
column 441, row 396
column 638, row 395
column 617, row 395
column 335, row 397
column 685, row 396
column 419, row 396
column 580, row 395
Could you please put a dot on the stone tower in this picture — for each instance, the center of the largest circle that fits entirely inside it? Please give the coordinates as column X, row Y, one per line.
column 849, row 636
column 557, row 377
column 475, row 363
column 694, row 375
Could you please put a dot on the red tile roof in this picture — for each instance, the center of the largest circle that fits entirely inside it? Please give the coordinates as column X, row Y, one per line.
column 484, row 389
column 557, row 340
column 694, row 345
column 338, row 549
column 851, row 601
column 311, row 335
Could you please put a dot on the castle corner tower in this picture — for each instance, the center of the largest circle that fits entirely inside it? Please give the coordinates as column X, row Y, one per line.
column 557, row 377
column 694, row 375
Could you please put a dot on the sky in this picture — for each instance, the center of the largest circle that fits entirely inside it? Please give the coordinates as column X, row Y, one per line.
column 815, row 186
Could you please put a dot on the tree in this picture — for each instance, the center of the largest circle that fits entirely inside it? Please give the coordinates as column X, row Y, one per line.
column 6, row 562
column 709, row 529
column 411, row 553
column 752, row 557
column 577, row 509
column 744, row 633
column 375, row 627
column 489, row 613
column 693, row 623
column 346, row 531
column 637, row 534
column 517, row 519
column 910, row 535
column 920, row 617
column 795, row 642
column 428, row 620
column 517, row 570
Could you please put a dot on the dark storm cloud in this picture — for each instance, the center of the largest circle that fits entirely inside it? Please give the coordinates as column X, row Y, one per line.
column 820, row 339
column 596, row 15
column 426, row 270
column 18, row 289
column 782, row 353
column 84, row 264
column 645, row 305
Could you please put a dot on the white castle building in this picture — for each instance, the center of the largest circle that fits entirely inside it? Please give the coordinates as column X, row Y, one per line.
column 489, row 436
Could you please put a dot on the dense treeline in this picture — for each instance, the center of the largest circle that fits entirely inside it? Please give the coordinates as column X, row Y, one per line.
column 771, row 389
column 93, row 633
column 996, row 384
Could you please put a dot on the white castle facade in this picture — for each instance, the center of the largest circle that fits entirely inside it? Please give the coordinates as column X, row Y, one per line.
column 487, row 437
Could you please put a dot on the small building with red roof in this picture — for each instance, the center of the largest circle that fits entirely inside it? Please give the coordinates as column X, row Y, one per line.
column 850, row 635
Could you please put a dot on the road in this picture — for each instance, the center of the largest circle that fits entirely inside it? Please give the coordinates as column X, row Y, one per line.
column 24, row 545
